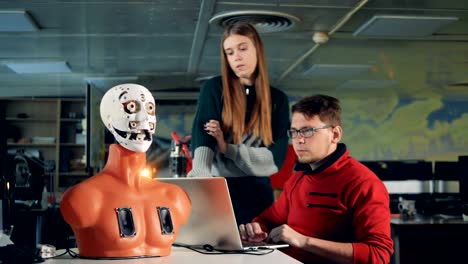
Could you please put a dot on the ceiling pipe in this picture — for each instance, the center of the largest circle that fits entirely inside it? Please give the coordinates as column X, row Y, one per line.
column 335, row 28
column 201, row 31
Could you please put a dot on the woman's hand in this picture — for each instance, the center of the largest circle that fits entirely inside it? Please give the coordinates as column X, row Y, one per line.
column 214, row 129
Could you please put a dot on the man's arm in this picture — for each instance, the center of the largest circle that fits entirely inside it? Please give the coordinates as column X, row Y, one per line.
column 252, row 232
column 371, row 222
column 273, row 216
column 335, row 251
column 371, row 225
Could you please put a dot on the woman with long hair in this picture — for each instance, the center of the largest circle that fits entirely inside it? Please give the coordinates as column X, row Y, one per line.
column 239, row 130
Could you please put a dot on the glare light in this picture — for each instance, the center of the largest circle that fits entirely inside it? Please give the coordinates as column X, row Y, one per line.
column 146, row 173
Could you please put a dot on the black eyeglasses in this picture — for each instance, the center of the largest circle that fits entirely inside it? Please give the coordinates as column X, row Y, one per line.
column 306, row 132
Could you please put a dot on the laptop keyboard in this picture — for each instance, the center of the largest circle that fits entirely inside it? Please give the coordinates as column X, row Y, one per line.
column 255, row 244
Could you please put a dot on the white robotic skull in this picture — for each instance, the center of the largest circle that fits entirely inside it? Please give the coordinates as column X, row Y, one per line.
column 129, row 112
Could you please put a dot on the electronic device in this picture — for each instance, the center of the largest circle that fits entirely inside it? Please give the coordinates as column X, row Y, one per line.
column 10, row 254
column 212, row 220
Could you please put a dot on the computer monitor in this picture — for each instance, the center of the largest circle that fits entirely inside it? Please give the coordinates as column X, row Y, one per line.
column 25, row 174
column 3, row 153
column 463, row 167
column 25, row 177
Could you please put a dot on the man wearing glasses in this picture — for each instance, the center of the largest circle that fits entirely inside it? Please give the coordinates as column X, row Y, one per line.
column 334, row 209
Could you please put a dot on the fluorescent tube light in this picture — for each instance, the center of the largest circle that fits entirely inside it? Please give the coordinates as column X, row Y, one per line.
column 39, row 67
column 16, row 21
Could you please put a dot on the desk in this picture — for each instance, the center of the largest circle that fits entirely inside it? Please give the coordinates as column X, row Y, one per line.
column 429, row 240
column 183, row 255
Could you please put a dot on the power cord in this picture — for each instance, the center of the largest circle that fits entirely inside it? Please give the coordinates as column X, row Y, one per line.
column 73, row 254
column 208, row 249
column 68, row 251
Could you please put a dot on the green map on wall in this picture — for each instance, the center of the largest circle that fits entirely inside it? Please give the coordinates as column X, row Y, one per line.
column 377, row 128
column 388, row 128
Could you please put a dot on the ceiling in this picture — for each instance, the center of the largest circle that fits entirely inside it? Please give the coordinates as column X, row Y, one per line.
column 170, row 46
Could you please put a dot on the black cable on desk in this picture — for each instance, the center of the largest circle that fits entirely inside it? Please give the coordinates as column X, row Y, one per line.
column 205, row 249
column 73, row 254
column 210, row 250
column 68, row 251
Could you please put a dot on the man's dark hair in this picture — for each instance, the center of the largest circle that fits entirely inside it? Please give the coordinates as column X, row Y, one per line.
column 326, row 107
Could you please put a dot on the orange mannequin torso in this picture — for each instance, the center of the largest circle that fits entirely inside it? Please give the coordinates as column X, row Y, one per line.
column 90, row 209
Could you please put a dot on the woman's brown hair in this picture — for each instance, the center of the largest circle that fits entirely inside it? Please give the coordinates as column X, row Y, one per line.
column 234, row 99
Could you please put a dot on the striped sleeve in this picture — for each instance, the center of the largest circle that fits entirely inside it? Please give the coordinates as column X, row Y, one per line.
column 203, row 145
column 263, row 161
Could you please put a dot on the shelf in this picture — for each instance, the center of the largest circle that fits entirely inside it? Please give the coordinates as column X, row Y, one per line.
column 56, row 119
column 74, row 174
column 17, row 119
column 73, row 120
column 31, row 145
column 72, row 145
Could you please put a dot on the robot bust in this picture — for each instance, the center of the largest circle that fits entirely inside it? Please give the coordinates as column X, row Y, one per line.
column 119, row 213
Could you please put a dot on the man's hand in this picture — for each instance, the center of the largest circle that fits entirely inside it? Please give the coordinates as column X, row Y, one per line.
column 252, row 232
column 286, row 234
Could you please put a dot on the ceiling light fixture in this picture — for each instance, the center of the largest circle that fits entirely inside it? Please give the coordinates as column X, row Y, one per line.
column 39, row 67
column 106, row 82
column 402, row 26
column 366, row 84
column 264, row 21
column 320, row 37
column 16, row 21
column 336, row 70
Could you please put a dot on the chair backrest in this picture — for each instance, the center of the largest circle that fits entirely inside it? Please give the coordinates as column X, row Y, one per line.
column 278, row 179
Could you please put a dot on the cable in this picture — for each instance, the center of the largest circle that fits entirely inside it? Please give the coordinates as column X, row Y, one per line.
column 68, row 251
column 208, row 249
column 117, row 258
column 73, row 254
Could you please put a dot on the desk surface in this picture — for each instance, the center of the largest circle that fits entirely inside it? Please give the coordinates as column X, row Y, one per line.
column 183, row 255
column 427, row 220
column 434, row 239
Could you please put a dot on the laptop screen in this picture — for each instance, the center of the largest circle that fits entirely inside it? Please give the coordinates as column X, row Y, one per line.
column 212, row 218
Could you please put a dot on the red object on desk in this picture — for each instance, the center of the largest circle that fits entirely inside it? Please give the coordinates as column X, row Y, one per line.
column 185, row 148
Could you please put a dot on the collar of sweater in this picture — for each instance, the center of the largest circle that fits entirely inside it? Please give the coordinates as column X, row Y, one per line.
column 336, row 155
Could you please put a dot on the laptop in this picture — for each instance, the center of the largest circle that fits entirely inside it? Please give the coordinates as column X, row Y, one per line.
column 212, row 219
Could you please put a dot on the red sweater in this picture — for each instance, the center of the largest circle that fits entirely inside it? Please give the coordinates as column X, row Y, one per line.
column 340, row 201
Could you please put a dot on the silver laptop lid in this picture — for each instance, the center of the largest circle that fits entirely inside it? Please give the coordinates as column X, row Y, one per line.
column 212, row 219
